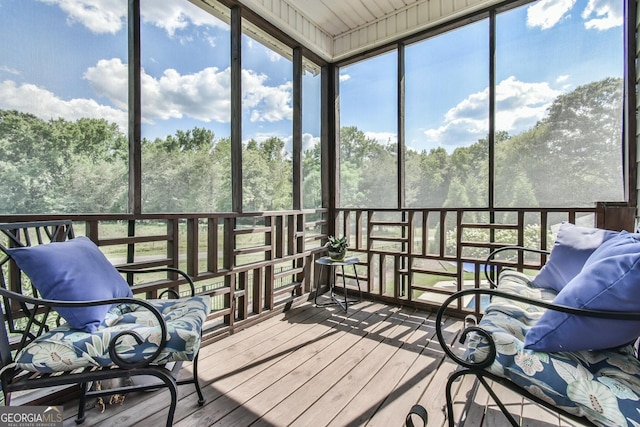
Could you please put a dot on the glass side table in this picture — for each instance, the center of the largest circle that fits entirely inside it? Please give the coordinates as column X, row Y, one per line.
column 333, row 265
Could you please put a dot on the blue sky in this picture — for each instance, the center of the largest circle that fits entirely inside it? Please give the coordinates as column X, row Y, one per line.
column 68, row 58
column 543, row 50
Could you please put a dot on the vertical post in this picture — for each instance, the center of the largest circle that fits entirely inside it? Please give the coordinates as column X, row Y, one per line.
column 630, row 136
column 406, row 247
column 212, row 245
column 492, row 121
column 192, row 246
column 131, row 247
column 258, row 294
column 135, row 132
column 228, row 263
column 242, row 300
column 236, row 109
column 91, row 231
column 173, row 247
column 401, row 125
column 297, row 129
column 330, row 135
column 269, row 300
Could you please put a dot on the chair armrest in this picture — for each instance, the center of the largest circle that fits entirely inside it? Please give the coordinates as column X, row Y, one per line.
column 489, row 261
column 163, row 269
column 28, row 336
column 616, row 315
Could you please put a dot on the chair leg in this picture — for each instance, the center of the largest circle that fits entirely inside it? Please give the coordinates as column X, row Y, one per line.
column 201, row 399
column 171, row 384
column 449, row 408
column 173, row 389
column 82, row 404
column 497, row 400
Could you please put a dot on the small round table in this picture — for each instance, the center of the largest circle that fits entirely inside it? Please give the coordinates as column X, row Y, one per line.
column 326, row 261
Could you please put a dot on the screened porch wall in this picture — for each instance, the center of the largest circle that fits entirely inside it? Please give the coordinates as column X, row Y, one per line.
column 254, row 264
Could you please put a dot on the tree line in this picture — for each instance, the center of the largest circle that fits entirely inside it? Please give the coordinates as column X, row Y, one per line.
column 570, row 158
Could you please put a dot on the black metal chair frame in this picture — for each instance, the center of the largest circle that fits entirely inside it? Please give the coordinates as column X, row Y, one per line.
column 18, row 306
column 477, row 369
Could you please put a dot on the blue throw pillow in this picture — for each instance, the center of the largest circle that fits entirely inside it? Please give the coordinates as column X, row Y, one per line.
column 573, row 246
column 610, row 280
column 73, row 270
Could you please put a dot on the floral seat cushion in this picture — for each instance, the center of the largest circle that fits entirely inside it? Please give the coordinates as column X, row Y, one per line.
column 603, row 386
column 66, row 349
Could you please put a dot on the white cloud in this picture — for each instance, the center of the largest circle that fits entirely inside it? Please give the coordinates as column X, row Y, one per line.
column 273, row 56
column 598, row 14
column 41, row 102
column 261, row 137
column 608, row 14
column 110, row 16
column 309, row 141
column 8, row 70
column 383, row 138
column 109, row 78
column 173, row 16
column 99, row 16
column 519, row 105
column 265, row 103
column 203, row 95
column 344, row 77
column 563, row 82
column 211, row 41
column 547, row 13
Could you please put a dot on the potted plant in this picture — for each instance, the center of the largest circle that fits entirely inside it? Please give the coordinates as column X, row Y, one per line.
column 337, row 247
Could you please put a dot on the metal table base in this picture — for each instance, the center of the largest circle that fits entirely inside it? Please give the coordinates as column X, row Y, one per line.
column 335, row 300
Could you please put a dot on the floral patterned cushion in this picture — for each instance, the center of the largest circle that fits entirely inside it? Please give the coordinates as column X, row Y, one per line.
column 66, row 349
column 603, row 386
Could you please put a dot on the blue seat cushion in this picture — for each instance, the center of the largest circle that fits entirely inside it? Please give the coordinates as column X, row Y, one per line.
column 603, row 386
column 66, row 349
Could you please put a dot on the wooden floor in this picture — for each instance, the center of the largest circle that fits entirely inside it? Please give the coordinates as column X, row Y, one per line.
column 316, row 366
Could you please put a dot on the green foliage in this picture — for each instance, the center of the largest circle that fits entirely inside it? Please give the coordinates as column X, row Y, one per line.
column 43, row 164
column 337, row 244
column 368, row 171
column 506, row 237
column 266, row 176
column 312, row 179
column 571, row 158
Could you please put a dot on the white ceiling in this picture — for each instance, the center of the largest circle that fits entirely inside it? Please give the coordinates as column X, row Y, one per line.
column 337, row 29
column 337, row 17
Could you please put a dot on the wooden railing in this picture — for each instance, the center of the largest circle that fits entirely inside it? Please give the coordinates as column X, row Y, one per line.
column 418, row 257
column 251, row 265
column 254, row 265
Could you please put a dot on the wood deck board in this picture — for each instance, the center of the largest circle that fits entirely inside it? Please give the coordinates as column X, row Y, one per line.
column 308, row 363
column 380, row 388
column 412, row 383
column 341, row 361
column 352, row 383
column 316, row 366
column 512, row 401
column 287, row 390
